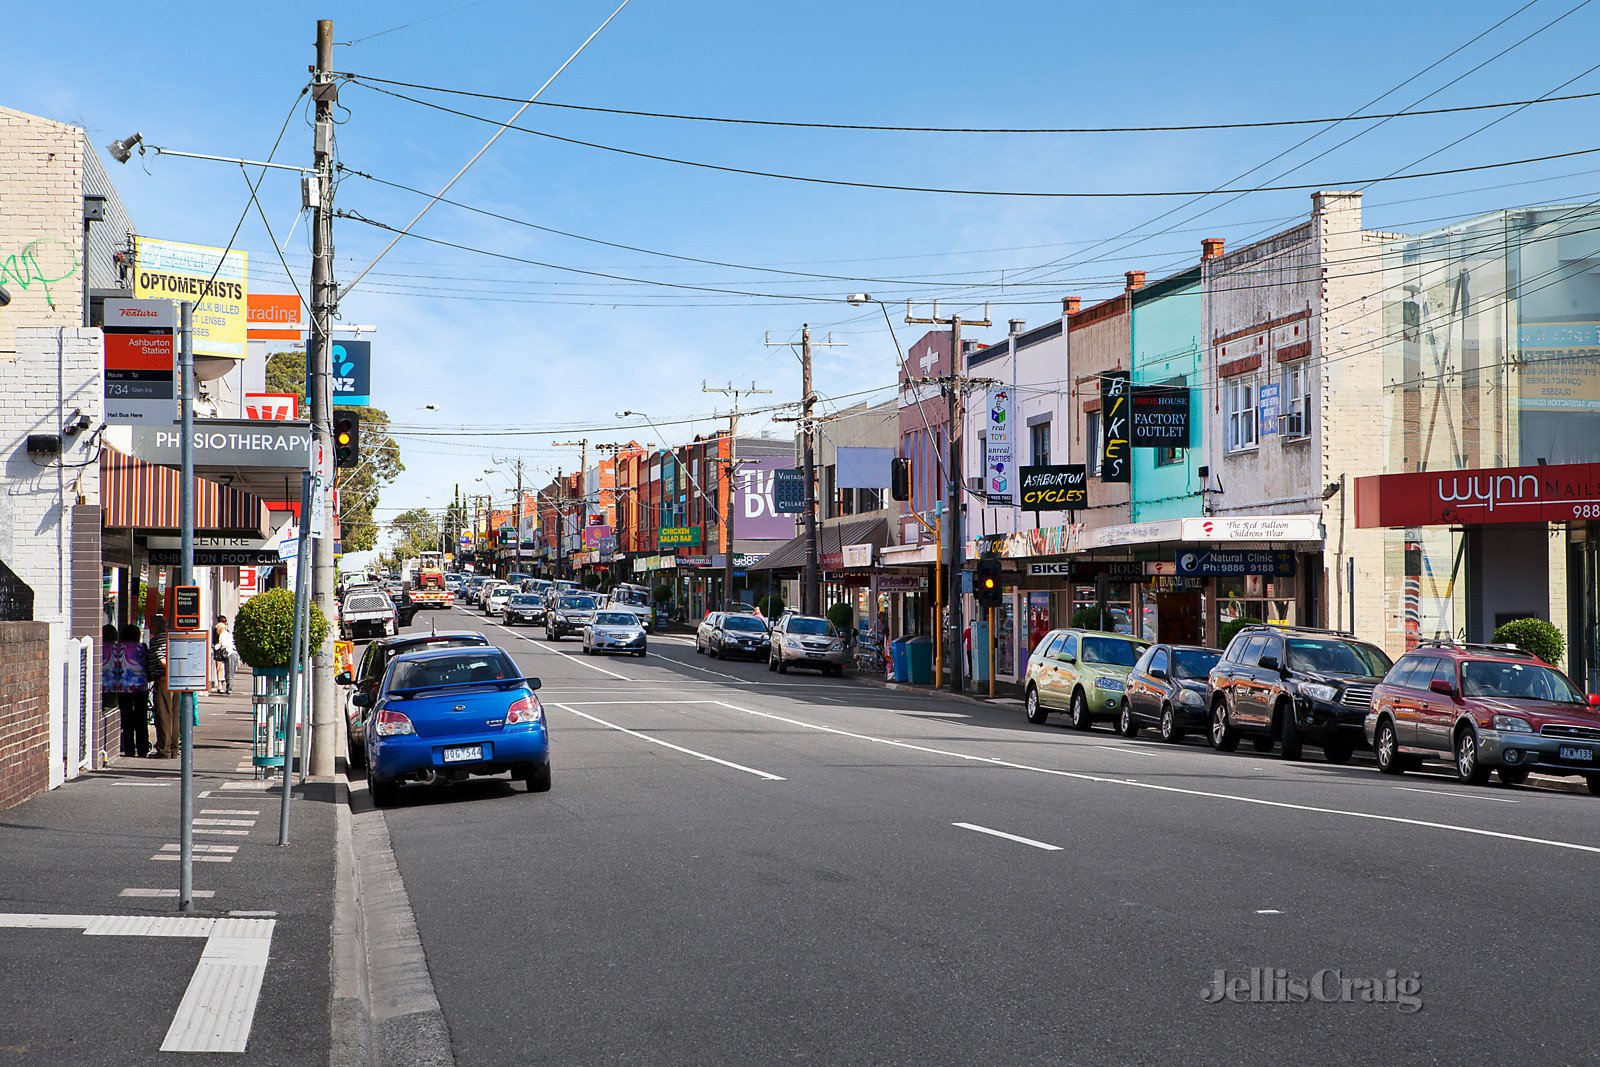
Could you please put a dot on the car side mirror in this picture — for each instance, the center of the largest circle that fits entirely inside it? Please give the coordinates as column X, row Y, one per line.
column 1442, row 687
column 343, row 678
column 1158, row 672
column 362, row 700
column 1269, row 663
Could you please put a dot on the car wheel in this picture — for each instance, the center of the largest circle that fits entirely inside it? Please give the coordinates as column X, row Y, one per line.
column 1260, row 743
column 711, row 652
column 1469, row 765
column 783, row 665
column 1338, row 751
column 536, row 778
column 697, row 649
column 1386, row 746
column 1125, row 724
column 356, row 756
column 1293, row 740
column 1512, row 775
column 1594, row 783
column 1079, row 714
column 1224, row 738
column 1169, row 726
column 640, row 653
column 384, row 793
column 1037, row 712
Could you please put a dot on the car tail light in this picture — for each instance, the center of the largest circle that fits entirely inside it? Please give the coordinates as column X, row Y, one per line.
column 393, row 724
column 525, row 712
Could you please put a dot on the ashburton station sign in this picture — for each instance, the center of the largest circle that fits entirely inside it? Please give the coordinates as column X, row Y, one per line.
column 1492, row 496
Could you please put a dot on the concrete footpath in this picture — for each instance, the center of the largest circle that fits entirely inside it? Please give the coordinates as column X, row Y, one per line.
column 96, row 963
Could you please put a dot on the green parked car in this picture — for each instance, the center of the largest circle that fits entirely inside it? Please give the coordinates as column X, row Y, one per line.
column 1081, row 672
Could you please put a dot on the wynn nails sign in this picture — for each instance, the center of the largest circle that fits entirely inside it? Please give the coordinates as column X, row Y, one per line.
column 1497, row 495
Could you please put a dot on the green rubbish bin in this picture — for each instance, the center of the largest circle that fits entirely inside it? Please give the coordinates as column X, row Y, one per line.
column 919, row 660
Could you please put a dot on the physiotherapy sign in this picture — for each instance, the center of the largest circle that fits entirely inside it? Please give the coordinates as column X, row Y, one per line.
column 214, row 282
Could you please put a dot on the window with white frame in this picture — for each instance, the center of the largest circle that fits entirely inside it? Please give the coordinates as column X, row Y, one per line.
column 1239, row 404
column 1039, row 444
column 1091, row 442
column 1296, row 389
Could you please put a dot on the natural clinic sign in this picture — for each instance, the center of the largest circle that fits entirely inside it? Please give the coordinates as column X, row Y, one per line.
column 1493, row 496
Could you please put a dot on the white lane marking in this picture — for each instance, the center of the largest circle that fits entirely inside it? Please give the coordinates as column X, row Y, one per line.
column 221, row 833
column 1463, row 796
column 1125, row 749
column 1008, row 837
column 230, row 811
column 668, row 744
column 134, row 892
column 697, row 667
column 1268, row 911
column 260, row 783
column 633, row 703
column 557, row 652
column 148, row 785
column 219, row 1004
column 1101, row 780
column 202, row 848
column 198, row 858
column 224, row 822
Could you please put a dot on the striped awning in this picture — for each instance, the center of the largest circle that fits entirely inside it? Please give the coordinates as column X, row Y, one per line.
column 143, row 496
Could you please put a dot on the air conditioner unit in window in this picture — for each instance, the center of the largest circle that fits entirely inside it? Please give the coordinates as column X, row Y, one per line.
column 1292, row 423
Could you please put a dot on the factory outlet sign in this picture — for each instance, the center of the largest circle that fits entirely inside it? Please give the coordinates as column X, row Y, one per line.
column 1495, row 496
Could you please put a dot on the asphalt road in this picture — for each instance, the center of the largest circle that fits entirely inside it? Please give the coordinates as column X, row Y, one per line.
column 740, row 867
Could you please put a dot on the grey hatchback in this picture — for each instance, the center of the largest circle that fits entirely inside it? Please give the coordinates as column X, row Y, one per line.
column 806, row 641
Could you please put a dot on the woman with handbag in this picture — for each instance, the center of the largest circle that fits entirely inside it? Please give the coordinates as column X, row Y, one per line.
column 166, row 707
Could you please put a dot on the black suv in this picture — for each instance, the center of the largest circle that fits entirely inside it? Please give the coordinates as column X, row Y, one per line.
column 1293, row 684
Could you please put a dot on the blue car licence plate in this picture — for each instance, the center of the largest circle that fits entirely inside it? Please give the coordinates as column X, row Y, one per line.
column 1581, row 755
column 463, row 753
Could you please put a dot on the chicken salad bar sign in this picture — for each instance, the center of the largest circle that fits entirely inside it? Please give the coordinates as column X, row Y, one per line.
column 1055, row 487
column 228, row 443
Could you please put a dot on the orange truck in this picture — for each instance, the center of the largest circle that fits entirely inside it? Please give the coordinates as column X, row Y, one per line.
column 430, row 591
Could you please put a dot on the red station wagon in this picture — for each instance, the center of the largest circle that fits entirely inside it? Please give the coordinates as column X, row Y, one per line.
column 1484, row 708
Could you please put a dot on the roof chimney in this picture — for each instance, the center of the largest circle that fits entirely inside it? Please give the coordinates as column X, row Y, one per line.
column 1070, row 305
column 1211, row 248
column 1135, row 279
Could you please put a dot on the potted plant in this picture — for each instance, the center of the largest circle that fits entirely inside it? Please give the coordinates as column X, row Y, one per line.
column 1228, row 629
column 842, row 615
column 771, row 607
column 1534, row 636
column 264, row 631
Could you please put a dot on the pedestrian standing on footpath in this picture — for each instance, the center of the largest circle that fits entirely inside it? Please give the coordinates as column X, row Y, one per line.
column 112, row 672
column 134, row 700
column 166, row 710
column 222, row 651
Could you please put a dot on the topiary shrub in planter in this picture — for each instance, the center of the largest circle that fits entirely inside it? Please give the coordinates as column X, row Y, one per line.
column 842, row 615
column 1534, row 636
column 591, row 580
column 662, row 594
column 1231, row 628
column 771, row 606
column 264, row 630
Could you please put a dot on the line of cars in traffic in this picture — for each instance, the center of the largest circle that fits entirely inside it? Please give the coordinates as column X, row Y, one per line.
column 1479, row 708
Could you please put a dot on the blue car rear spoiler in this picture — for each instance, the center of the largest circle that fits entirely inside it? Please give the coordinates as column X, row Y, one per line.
column 497, row 683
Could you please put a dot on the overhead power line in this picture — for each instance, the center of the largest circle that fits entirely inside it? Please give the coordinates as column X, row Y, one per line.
column 1024, row 193
column 874, row 128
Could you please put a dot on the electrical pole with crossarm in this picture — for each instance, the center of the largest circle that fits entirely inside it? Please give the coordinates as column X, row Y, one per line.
column 811, row 574
column 953, row 502
column 732, row 480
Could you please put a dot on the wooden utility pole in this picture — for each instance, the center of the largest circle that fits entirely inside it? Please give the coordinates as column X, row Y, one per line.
column 732, row 479
column 811, row 574
column 319, row 368
column 953, row 388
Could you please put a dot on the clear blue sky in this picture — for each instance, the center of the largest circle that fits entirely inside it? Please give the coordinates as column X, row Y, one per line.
column 493, row 343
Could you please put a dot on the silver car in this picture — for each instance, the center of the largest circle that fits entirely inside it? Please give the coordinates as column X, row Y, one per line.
column 614, row 631
column 807, row 641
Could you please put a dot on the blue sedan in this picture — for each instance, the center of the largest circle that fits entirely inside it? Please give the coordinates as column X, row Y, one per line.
column 449, row 713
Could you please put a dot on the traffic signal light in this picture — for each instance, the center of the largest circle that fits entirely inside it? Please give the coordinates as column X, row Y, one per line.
column 986, row 584
column 346, row 438
column 900, row 479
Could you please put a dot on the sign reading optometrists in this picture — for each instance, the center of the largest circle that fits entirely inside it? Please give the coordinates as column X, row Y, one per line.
column 214, row 282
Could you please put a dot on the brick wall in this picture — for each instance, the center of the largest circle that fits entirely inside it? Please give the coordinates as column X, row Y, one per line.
column 24, row 711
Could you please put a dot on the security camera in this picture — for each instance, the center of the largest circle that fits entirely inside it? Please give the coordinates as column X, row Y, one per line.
column 76, row 423
column 122, row 150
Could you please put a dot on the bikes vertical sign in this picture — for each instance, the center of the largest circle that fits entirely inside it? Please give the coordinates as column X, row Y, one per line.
column 1115, row 387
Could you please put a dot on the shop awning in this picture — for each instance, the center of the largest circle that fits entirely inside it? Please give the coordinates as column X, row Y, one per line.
column 146, row 497
column 791, row 555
